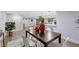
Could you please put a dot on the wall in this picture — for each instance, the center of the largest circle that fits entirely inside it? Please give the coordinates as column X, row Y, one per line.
column 2, row 20
column 17, row 19
column 67, row 26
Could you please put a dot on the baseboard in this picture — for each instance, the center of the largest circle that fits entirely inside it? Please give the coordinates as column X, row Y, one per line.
column 75, row 42
column 71, row 40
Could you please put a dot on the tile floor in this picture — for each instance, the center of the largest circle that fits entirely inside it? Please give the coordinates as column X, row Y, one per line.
column 17, row 41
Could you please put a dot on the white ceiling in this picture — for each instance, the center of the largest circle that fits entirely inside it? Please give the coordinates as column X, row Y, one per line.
column 34, row 14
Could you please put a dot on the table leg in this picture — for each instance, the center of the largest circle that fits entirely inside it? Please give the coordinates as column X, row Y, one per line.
column 60, row 38
column 3, row 41
column 45, row 45
column 26, row 34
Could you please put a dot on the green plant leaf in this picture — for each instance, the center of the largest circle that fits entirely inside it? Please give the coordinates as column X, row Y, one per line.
column 41, row 18
column 9, row 26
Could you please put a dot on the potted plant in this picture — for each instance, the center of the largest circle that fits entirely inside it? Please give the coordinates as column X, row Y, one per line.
column 9, row 26
column 41, row 18
column 41, row 27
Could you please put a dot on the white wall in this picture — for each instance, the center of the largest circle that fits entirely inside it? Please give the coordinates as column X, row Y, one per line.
column 67, row 26
column 2, row 20
column 17, row 19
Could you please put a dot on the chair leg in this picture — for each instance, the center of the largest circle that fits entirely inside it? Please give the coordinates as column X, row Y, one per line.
column 23, row 45
column 36, row 44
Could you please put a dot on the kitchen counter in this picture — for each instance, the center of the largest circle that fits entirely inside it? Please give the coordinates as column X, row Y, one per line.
column 51, row 25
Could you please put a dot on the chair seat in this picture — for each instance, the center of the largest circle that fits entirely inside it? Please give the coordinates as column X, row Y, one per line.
column 53, row 44
column 31, row 43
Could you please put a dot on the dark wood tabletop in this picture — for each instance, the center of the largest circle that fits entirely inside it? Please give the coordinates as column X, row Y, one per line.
column 46, row 37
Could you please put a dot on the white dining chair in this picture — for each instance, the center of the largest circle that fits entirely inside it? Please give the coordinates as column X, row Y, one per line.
column 28, row 42
column 48, row 28
column 54, row 44
column 31, row 37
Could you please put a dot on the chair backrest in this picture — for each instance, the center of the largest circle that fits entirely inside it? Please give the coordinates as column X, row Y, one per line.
column 48, row 28
column 65, row 42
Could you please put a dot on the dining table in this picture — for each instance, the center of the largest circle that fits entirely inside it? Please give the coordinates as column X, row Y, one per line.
column 45, row 38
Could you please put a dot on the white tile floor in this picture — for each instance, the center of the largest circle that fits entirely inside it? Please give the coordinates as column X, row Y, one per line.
column 17, row 41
